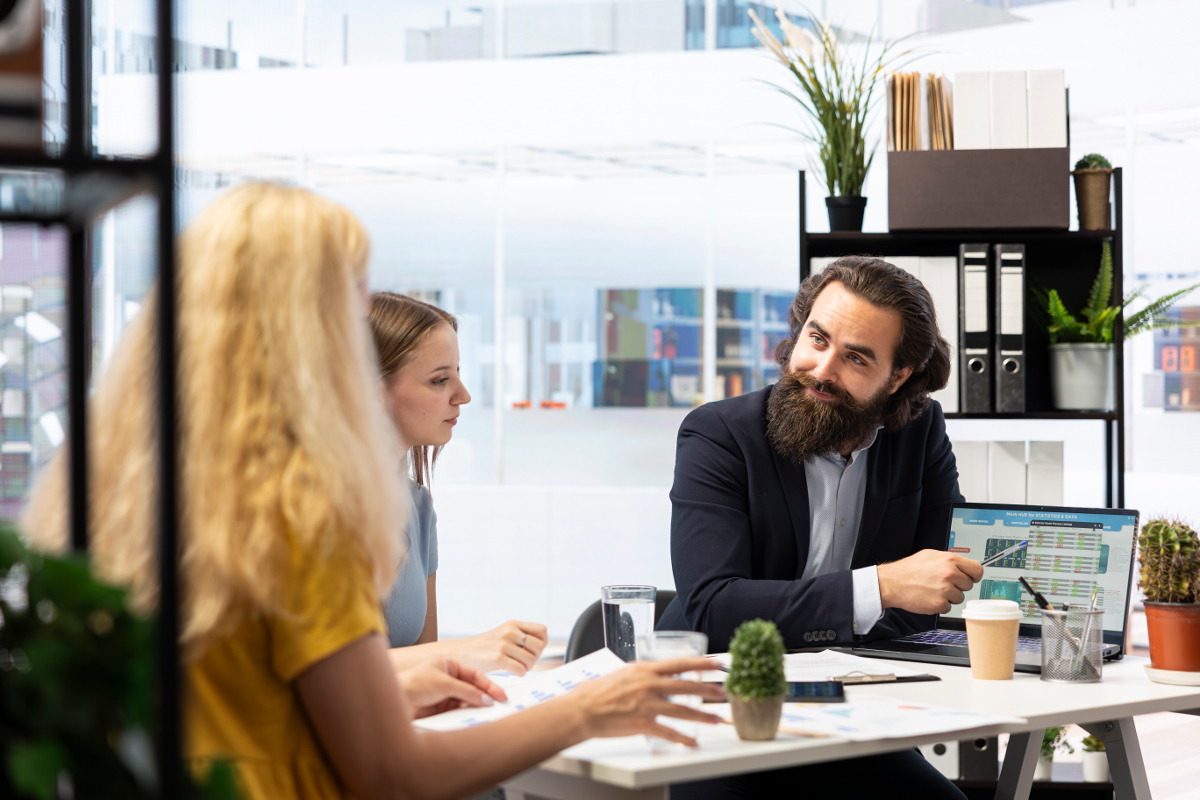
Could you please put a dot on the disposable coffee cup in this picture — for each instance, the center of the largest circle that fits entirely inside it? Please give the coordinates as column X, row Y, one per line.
column 992, row 638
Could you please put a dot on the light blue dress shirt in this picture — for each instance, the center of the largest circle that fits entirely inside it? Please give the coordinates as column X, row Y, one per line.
column 405, row 606
column 836, row 489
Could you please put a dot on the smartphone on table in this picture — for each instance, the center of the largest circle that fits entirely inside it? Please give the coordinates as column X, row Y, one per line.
column 815, row 692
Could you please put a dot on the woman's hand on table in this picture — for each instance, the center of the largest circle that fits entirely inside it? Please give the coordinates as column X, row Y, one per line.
column 514, row 646
column 628, row 702
column 444, row 684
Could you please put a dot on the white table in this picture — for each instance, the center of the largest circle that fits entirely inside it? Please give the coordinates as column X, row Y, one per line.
column 624, row 769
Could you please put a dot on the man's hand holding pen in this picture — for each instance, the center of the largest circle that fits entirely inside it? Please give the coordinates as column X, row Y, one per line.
column 927, row 582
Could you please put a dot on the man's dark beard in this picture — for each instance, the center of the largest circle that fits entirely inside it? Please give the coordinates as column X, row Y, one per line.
column 800, row 426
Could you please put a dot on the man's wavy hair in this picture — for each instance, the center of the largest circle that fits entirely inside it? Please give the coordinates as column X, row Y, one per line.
column 920, row 347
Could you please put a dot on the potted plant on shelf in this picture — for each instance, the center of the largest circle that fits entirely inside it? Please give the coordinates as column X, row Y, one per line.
column 1169, row 557
column 837, row 93
column 756, row 684
column 1095, row 761
column 1081, row 351
column 1091, row 191
column 1053, row 740
column 76, row 676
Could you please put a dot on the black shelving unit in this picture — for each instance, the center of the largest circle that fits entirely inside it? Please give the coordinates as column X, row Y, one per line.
column 1062, row 260
column 92, row 185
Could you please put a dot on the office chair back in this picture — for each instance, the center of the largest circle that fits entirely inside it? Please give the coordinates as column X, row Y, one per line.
column 588, row 634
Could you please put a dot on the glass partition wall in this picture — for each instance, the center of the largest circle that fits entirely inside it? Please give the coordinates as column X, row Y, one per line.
column 606, row 197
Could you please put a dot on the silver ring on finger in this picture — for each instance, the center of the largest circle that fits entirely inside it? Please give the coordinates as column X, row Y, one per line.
column 524, row 636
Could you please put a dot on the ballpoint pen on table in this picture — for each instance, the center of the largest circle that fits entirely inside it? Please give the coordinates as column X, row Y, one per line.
column 1003, row 553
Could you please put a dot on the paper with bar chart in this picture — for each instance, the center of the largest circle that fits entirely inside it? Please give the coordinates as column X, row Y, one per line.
column 1069, row 553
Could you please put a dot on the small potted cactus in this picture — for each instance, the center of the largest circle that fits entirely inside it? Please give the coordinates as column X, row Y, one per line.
column 1169, row 557
column 1091, row 191
column 756, row 684
column 1095, row 761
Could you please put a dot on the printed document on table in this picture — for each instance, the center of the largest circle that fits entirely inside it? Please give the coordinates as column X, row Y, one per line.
column 866, row 717
column 534, row 688
column 829, row 665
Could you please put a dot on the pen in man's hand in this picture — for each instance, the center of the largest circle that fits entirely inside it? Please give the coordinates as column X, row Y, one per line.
column 1003, row 553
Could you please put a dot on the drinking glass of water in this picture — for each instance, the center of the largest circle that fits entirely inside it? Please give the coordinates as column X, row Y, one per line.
column 664, row 646
column 628, row 613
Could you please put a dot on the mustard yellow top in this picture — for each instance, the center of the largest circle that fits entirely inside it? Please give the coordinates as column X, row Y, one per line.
column 239, row 702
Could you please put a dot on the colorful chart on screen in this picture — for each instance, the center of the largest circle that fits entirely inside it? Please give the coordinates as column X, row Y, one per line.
column 1067, row 555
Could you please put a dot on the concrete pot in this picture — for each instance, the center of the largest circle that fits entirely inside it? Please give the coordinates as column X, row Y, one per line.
column 1044, row 768
column 1095, row 766
column 756, row 720
column 1082, row 376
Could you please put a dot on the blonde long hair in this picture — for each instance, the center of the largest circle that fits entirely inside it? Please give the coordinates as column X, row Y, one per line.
column 282, row 429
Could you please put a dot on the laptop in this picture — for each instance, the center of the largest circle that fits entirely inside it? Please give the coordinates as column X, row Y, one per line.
column 1069, row 551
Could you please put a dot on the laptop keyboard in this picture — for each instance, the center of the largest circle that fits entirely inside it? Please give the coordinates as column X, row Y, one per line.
column 1025, row 644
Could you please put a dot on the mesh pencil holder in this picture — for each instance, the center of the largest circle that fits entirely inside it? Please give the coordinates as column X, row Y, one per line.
column 1072, row 647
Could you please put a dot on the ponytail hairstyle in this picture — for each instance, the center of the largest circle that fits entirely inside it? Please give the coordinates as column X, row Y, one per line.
column 399, row 324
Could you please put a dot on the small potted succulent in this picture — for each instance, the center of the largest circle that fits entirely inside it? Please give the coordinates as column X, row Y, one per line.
column 1095, row 761
column 1169, row 557
column 1053, row 740
column 756, row 684
column 1081, row 350
column 1091, row 191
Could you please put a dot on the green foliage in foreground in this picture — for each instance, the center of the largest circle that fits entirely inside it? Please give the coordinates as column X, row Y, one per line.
column 757, row 668
column 76, row 686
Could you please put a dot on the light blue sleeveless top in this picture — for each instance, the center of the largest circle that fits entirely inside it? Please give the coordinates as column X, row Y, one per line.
column 407, row 603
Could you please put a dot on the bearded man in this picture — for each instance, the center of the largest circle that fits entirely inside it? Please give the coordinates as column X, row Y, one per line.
column 822, row 503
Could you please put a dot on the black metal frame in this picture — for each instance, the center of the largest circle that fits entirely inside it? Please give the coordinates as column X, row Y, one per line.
column 94, row 185
column 919, row 242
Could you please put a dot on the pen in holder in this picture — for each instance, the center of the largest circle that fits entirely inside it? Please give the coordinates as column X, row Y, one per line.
column 1072, row 649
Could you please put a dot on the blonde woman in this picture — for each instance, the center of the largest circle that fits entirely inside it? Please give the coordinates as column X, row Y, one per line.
column 291, row 507
column 417, row 344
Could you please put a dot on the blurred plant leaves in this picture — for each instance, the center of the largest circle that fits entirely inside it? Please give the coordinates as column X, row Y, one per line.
column 35, row 767
column 76, row 685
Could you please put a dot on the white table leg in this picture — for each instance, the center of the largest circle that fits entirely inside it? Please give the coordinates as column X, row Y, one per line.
column 1020, row 759
column 1124, row 757
column 537, row 784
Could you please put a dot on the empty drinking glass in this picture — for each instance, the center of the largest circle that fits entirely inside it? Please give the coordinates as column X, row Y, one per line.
column 664, row 646
column 628, row 613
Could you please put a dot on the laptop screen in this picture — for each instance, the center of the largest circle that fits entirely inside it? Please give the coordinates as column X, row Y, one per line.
column 1069, row 552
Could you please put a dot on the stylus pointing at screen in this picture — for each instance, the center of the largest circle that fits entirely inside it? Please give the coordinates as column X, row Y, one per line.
column 1003, row 553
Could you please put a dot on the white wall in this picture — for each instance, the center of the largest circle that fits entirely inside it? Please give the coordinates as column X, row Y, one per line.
column 542, row 553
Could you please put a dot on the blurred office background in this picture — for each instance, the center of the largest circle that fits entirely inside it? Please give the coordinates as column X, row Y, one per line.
column 603, row 194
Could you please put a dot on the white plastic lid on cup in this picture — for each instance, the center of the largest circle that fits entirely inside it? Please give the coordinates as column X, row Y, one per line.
column 991, row 609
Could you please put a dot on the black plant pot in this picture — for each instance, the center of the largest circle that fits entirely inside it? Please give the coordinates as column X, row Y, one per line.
column 846, row 212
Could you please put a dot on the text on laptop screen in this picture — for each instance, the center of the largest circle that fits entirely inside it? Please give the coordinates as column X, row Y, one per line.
column 1067, row 555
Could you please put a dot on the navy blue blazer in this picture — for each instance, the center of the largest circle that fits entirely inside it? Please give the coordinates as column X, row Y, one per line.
column 740, row 525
